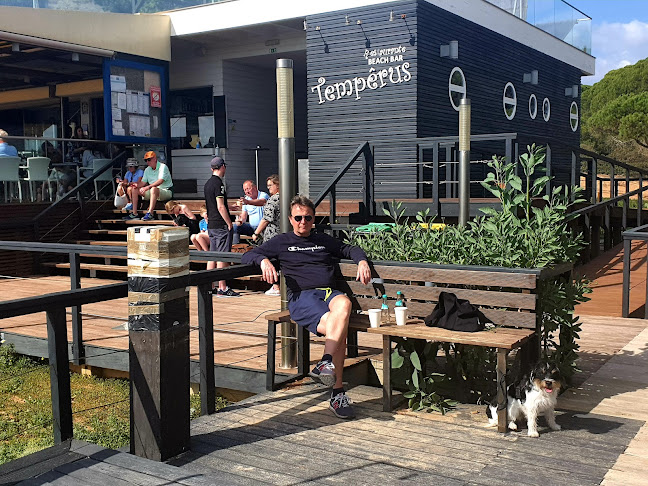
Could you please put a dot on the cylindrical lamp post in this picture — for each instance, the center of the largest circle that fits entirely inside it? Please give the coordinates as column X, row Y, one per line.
column 464, row 161
column 286, row 138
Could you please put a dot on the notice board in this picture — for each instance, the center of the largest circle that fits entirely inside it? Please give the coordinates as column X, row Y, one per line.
column 134, row 102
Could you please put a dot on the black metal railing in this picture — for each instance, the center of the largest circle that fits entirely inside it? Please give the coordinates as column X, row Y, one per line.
column 639, row 233
column 55, row 304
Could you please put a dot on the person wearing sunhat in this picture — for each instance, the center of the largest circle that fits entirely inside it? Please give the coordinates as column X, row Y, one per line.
column 128, row 184
column 155, row 185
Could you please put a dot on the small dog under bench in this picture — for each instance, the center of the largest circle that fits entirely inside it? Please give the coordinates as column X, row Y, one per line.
column 506, row 297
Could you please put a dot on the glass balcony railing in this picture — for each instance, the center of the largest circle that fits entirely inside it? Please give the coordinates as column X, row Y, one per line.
column 555, row 17
column 122, row 6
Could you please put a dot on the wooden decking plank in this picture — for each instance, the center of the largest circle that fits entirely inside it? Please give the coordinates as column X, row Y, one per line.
column 53, row 478
column 251, row 440
column 273, row 461
column 432, row 440
column 159, row 469
column 85, row 470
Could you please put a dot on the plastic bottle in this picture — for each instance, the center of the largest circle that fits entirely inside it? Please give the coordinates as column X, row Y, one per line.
column 198, row 144
column 399, row 299
column 384, row 314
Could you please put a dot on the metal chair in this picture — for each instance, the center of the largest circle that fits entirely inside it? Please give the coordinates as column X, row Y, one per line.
column 9, row 173
column 37, row 171
column 107, row 176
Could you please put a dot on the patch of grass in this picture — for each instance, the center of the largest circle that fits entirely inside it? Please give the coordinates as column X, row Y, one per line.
column 100, row 407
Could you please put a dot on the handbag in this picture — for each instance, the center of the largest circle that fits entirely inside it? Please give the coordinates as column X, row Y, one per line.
column 456, row 314
column 120, row 201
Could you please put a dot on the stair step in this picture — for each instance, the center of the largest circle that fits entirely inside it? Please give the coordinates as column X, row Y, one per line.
column 107, row 232
column 136, row 222
column 90, row 266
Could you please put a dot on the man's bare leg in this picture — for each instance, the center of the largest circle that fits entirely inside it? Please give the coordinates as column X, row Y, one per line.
column 154, row 193
column 334, row 325
column 222, row 284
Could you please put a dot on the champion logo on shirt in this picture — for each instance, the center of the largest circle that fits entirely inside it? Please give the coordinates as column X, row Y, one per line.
column 308, row 248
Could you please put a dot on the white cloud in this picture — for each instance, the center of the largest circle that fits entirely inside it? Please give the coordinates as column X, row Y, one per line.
column 616, row 45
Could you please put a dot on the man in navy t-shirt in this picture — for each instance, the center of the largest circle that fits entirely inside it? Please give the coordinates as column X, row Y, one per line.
column 307, row 262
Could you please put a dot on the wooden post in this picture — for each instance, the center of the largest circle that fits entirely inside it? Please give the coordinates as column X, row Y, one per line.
column 78, row 350
column 625, row 296
column 158, row 325
column 57, row 347
column 206, row 345
column 502, row 414
column 387, row 364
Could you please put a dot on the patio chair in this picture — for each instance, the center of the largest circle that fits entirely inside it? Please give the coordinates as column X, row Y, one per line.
column 10, row 173
column 37, row 171
column 107, row 176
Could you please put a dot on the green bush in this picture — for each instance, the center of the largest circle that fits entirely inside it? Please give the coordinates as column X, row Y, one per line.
column 523, row 234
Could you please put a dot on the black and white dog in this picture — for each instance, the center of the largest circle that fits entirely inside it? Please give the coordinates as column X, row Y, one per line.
column 532, row 396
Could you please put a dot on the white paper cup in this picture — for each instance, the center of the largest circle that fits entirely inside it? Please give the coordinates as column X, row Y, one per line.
column 374, row 317
column 401, row 315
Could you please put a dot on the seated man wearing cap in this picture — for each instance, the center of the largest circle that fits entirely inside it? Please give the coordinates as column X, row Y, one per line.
column 128, row 184
column 156, row 185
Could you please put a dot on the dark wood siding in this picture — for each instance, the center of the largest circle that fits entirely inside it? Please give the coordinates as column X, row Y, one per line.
column 421, row 107
column 388, row 113
column 489, row 60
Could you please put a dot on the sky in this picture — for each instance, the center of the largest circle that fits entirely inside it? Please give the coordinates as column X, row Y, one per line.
column 619, row 33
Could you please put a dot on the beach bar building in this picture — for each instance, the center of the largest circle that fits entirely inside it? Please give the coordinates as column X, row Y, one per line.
column 384, row 72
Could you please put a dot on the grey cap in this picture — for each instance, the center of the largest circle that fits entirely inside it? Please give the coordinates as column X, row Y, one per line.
column 217, row 162
column 132, row 163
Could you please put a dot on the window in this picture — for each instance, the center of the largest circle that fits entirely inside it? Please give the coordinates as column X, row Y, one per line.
column 456, row 87
column 573, row 116
column 509, row 101
column 546, row 109
column 533, row 106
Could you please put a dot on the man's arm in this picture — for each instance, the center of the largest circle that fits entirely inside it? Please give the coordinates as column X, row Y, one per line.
column 242, row 218
column 222, row 209
column 261, row 256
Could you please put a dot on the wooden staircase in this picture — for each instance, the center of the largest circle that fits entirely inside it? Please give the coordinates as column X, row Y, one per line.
column 109, row 229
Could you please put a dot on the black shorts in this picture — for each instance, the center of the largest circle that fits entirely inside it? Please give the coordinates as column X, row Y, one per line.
column 308, row 306
column 220, row 239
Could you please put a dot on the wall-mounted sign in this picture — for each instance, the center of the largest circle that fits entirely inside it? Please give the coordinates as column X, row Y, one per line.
column 377, row 77
column 156, row 97
column 134, row 110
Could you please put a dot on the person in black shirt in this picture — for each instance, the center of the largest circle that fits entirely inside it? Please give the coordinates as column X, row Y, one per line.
column 219, row 227
column 306, row 260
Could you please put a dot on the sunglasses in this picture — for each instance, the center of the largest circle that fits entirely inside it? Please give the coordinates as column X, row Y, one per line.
column 150, row 158
column 299, row 217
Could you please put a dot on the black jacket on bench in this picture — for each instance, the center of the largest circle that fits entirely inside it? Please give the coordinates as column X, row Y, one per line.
column 306, row 262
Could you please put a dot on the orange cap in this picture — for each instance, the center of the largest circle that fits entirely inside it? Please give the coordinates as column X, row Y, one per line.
column 149, row 154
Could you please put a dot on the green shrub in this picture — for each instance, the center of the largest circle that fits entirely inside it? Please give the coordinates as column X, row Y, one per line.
column 523, row 234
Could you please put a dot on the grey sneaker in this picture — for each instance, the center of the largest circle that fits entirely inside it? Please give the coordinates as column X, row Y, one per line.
column 340, row 405
column 324, row 373
column 227, row 293
column 130, row 216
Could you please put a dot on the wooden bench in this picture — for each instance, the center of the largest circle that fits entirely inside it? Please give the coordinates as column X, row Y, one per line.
column 505, row 296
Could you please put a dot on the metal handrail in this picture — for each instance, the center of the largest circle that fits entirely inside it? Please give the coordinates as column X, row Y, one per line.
column 54, row 304
column 638, row 233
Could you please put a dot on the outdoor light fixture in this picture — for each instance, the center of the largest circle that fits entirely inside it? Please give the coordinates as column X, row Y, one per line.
column 450, row 50
column 572, row 91
column 15, row 47
column 75, row 56
column 326, row 47
column 391, row 16
column 346, row 20
column 305, row 25
column 464, row 161
column 531, row 77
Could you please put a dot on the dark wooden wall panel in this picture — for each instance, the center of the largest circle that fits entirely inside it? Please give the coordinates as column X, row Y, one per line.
column 395, row 114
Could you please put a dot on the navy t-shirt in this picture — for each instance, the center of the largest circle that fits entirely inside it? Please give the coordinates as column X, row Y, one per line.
column 306, row 262
column 214, row 188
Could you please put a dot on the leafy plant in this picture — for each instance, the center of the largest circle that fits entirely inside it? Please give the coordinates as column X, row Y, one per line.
column 530, row 231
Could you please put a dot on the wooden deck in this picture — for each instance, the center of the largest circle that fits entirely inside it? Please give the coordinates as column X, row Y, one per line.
column 240, row 331
column 289, row 436
column 606, row 274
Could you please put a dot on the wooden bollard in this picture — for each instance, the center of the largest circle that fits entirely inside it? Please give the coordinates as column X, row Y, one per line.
column 158, row 332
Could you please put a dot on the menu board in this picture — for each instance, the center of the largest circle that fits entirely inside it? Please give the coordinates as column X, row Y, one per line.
column 135, row 108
